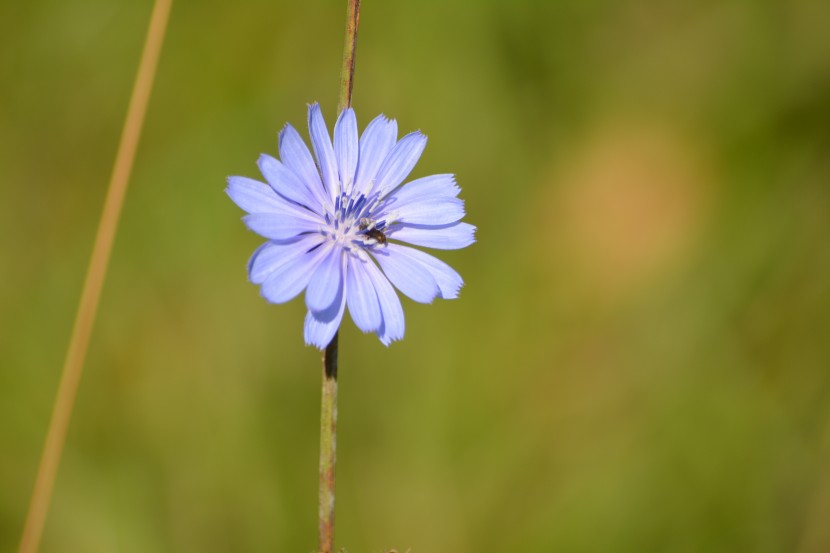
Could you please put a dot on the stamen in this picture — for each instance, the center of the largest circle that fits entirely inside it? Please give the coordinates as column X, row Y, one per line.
column 361, row 200
column 352, row 227
column 366, row 224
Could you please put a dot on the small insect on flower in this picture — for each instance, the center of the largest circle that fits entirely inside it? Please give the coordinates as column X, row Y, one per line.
column 372, row 231
column 337, row 228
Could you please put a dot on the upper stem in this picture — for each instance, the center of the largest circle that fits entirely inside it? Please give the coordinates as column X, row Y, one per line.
column 349, row 46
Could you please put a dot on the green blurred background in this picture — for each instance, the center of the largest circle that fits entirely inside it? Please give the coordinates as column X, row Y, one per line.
column 639, row 361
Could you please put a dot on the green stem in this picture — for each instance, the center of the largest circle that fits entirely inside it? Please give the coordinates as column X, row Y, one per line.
column 328, row 403
column 328, row 447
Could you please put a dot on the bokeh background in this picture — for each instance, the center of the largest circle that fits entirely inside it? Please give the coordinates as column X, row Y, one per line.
column 640, row 358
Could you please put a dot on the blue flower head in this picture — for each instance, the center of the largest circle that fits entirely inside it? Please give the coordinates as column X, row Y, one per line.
column 334, row 227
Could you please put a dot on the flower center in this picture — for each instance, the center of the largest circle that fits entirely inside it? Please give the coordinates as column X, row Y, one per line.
column 354, row 225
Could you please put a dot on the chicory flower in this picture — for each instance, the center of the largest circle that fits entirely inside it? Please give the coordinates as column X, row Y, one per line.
column 336, row 228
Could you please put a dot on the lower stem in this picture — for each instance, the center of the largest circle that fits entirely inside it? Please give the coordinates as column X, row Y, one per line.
column 328, row 447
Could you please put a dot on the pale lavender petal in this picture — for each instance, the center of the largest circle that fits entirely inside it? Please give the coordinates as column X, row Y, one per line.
column 393, row 325
column 254, row 196
column 376, row 142
column 448, row 280
column 272, row 255
column 318, row 331
column 346, row 147
column 445, row 237
column 400, row 162
column 262, row 261
column 426, row 211
column 433, row 186
column 408, row 276
column 362, row 298
column 327, row 280
column 295, row 155
column 286, row 183
column 321, row 142
column 290, row 278
column 280, row 226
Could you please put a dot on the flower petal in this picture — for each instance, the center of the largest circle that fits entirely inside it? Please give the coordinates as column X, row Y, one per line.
column 289, row 279
column 393, row 325
column 400, row 162
column 295, row 155
column 319, row 332
column 444, row 237
column 408, row 276
column 254, row 196
column 376, row 142
column 321, row 142
column 280, row 226
column 327, row 281
column 346, row 147
column 262, row 262
column 272, row 255
column 426, row 211
column 286, row 183
column 433, row 186
column 448, row 280
column 362, row 298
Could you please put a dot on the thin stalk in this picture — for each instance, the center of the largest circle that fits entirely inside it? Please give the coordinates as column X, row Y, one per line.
column 96, row 273
column 328, row 403
column 349, row 47
column 328, row 447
